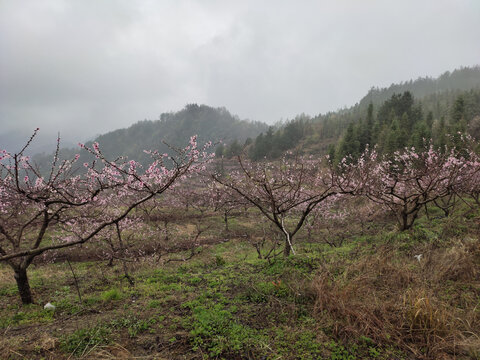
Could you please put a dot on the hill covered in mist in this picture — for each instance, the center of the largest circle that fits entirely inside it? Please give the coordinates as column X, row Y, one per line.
column 462, row 79
column 400, row 115
column 210, row 124
column 172, row 129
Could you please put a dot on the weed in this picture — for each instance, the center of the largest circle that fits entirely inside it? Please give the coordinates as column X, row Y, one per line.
column 425, row 318
column 338, row 352
column 65, row 305
column 91, row 300
column 459, row 263
column 305, row 343
column 9, row 291
column 29, row 314
column 219, row 261
column 155, row 303
column 81, row 340
column 422, row 233
column 111, row 295
column 133, row 325
column 194, row 280
column 215, row 330
column 262, row 291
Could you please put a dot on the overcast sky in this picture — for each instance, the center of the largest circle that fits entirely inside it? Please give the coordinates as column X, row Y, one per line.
column 84, row 67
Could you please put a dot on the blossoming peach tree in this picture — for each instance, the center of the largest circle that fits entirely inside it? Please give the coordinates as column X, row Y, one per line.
column 284, row 192
column 71, row 204
column 409, row 180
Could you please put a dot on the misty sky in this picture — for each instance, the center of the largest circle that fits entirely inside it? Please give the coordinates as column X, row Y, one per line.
column 84, row 67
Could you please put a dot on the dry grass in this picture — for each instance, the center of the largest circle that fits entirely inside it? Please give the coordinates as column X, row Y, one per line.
column 6, row 275
column 459, row 263
column 107, row 352
column 404, row 302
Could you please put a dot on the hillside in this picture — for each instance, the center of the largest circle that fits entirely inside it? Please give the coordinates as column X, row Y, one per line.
column 174, row 129
column 428, row 103
column 354, row 290
column 433, row 108
column 462, row 79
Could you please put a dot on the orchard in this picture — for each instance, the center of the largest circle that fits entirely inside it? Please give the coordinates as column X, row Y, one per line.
column 67, row 208
column 321, row 233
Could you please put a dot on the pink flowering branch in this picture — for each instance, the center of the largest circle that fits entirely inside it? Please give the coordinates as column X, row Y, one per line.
column 76, row 205
column 409, row 180
column 285, row 192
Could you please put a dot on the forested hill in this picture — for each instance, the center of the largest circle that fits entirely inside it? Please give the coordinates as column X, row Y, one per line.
column 464, row 78
column 175, row 129
column 400, row 115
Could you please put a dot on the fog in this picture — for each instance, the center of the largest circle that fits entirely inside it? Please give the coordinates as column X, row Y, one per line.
column 87, row 67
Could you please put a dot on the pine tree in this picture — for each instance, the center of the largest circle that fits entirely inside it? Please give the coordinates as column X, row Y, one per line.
column 420, row 136
column 350, row 145
column 430, row 120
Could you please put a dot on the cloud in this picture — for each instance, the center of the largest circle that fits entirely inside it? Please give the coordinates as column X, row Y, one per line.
column 86, row 67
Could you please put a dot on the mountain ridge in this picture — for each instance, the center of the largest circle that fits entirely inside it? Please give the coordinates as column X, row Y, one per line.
column 209, row 123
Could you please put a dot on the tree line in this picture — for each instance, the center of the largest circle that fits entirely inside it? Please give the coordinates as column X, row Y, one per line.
column 402, row 114
column 398, row 122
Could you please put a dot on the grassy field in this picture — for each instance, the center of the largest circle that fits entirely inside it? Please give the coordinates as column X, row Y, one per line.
column 368, row 298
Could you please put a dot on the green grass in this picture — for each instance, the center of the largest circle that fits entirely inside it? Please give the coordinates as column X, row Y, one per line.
column 80, row 341
column 27, row 315
column 111, row 295
column 225, row 303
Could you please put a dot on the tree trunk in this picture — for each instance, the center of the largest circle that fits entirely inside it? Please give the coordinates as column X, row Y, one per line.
column 288, row 241
column 122, row 253
column 407, row 220
column 23, row 286
column 288, row 248
column 403, row 224
column 225, row 219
